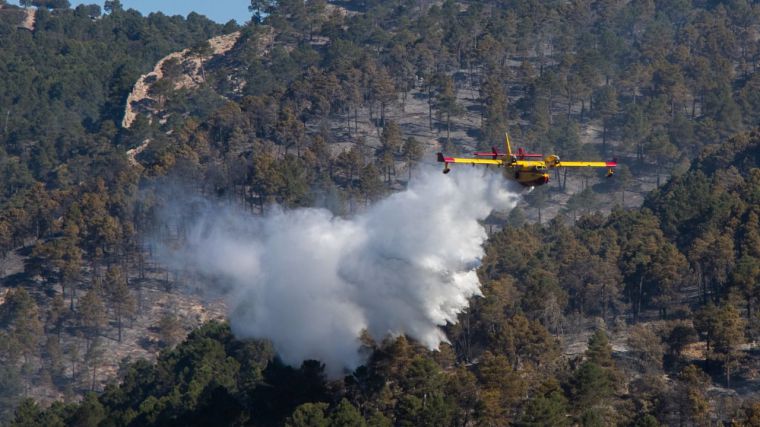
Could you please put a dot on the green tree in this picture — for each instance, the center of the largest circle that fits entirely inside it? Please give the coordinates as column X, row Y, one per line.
column 54, row 356
column 599, row 349
column 90, row 412
column 161, row 89
column 705, row 320
column 112, row 6
column 290, row 130
column 607, row 107
column 391, row 141
column 539, row 199
column 548, row 408
column 56, row 313
column 201, row 51
column 120, row 297
column 20, row 316
column 309, row 415
column 502, row 388
column 746, row 277
column 494, row 104
column 349, row 164
column 653, row 268
column 295, row 191
column 463, row 385
column 6, row 238
column 170, row 330
column 27, row 414
column 590, row 385
column 346, row 415
column 260, row 9
column 93, row 359
column 423, row 401
column 446, row 103
column 11, row 389
column 712, row 254
column 370, row 184
column 382, row 90
column 412, row 152
column 91, row 314
column 646, row 347
column 621, row 181
column 694, row 405
column 664, row 153
column 679, row 337
column 728, row 335
column 266, row 179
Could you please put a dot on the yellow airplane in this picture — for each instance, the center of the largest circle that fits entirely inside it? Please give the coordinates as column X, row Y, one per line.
column 520, row 167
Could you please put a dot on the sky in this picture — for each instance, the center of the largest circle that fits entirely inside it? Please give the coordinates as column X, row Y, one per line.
column 218, row 10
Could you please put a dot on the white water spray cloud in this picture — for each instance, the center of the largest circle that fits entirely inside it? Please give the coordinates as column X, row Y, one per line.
column 311, row 282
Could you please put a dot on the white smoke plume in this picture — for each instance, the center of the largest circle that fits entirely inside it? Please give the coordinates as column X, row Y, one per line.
column 311, row 282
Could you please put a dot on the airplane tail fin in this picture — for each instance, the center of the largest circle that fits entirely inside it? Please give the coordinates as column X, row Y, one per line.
column 509, row 147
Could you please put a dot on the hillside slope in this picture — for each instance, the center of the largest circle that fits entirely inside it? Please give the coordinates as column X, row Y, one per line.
column 318, row 107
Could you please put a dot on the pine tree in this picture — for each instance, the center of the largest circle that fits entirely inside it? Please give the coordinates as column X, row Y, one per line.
column 447, row 105
column 413, row 152
column 91, row 314
column 170, row 330
column 56, row 314
column 19, row 314
column 728, row 336
column 309, row 415
column 346, row 415
column 120, row 297
column 599, row 349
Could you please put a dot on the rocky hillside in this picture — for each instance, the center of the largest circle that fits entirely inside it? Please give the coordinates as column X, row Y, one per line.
column 192, row 75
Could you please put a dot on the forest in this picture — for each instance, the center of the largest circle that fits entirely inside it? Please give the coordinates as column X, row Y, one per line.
column 311, row 107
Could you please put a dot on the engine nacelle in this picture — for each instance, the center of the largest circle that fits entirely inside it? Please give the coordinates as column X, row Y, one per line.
column 551, row 160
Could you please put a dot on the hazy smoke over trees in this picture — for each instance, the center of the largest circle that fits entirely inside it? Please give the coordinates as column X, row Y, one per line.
column 312, row 282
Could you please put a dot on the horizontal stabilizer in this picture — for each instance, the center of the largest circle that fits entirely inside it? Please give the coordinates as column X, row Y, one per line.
column 493, row 153
column 488, row 153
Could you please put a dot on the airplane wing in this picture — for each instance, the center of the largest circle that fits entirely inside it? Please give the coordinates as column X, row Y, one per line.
column 444, row 159
column 585, row 164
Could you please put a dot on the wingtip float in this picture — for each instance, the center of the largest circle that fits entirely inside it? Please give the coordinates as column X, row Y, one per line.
column 528, row 169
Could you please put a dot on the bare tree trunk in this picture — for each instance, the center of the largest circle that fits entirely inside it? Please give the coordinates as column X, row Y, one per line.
column 728, row 370
column 430, row 115
column 94, row 369
column 638, row 300
column 448, row 129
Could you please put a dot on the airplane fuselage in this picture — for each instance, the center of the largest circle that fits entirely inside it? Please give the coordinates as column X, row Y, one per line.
column 530, row 176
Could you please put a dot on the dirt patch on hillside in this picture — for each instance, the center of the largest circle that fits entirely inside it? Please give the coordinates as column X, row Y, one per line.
column 191, row 78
